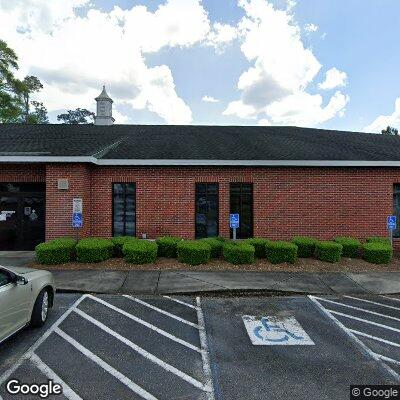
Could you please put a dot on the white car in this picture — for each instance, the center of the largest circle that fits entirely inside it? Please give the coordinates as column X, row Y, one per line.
column 26, row 294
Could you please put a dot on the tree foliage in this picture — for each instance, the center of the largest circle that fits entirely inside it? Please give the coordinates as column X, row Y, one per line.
column 390, row 131
column 16, row 104
column 78, row 116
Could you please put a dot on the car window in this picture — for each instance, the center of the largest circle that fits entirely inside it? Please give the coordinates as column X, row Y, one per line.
column 4, row 278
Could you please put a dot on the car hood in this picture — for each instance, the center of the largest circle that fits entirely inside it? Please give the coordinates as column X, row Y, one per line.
column 21, row 270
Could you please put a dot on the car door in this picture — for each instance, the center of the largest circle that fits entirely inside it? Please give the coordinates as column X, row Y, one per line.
column 15, row 304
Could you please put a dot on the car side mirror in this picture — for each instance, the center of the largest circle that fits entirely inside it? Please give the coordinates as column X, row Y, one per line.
column 20, row 280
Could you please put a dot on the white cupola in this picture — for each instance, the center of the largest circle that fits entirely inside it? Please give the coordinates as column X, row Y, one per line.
column 104, row 109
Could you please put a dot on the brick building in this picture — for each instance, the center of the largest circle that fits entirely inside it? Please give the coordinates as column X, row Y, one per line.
column 186, row 180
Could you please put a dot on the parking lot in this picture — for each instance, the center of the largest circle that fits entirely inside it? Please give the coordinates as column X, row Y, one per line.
column 184, row 347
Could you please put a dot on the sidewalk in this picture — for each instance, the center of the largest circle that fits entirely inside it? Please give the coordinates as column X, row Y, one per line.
column 175, row 282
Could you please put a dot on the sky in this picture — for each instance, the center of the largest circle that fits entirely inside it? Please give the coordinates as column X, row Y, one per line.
column 314, row 63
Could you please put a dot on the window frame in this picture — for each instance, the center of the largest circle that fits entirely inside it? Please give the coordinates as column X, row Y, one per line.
column 396, row 211
column 112, row 206
column 239, row 231
column 195, row 207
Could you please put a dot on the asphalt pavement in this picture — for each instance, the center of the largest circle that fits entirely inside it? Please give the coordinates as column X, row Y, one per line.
column 186, row 347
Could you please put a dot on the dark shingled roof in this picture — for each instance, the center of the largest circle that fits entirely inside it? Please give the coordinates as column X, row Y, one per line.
column 194, row 142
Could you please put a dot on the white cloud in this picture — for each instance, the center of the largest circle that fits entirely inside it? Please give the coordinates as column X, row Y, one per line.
column 73, row 55
column 209, row 99
column 274, row 87
column 382, row 121
column 309, row 28
column 221, row 35
column 333, row 78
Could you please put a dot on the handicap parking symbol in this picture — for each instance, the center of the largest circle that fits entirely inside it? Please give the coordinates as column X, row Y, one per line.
column 275, row 330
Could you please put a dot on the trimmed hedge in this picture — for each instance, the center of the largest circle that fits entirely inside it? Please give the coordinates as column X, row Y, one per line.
column 194, row 252
column 259, row 246
column 57, row 251
column 378, row 239
column 167, row 246
column 216, row 246
column 238, row 253
column 351, row 246
column 92, row 250
column 119, row 241
column 305, row 246
column 280, row 252
column 328, row 251
column 140, row 251
column 377, row 252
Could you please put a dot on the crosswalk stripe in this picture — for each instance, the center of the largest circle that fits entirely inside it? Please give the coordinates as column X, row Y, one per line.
column 112, row 371
column 168, row 314
column 142, row 351
column 146, row 324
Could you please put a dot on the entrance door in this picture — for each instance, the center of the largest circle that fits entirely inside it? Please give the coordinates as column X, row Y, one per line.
column 22, row 215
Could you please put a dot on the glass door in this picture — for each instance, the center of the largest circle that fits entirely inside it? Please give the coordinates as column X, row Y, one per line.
column 10, row 226
column 241, row 199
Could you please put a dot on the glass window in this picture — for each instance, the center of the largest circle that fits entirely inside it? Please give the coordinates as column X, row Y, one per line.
column 4, row 278
column 396, row 208
column 124, row 209
column 207, row 214
column 241, row 200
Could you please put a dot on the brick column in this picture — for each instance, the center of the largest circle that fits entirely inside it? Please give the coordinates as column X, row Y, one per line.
column 59, row 202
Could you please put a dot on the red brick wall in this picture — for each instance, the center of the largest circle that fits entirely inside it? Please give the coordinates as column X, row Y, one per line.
column 323, row 202
column 59, row 202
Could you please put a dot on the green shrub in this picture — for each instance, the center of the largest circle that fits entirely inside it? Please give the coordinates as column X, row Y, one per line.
column 377, row 252
column 305, row 246
column 92, row 250
column 238, row 253
column 221, row 239
column 259, row 246
column 194, row 252
column 167, row 246
column 378, row 239
column 216, row 246
column 280, row 252
column 328, row 251
column 140, row 251
column 57, row 251
column 351, row 246
column 119, row 241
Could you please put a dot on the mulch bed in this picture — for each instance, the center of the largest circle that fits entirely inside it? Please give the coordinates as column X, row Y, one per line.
column 301, row 265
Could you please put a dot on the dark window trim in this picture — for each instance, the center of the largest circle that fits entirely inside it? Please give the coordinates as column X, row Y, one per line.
column 112, row 206
column 195, row 205
column 252, row 206
column 396, row 211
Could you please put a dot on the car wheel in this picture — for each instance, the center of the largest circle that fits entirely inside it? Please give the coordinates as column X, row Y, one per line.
column 40, row 309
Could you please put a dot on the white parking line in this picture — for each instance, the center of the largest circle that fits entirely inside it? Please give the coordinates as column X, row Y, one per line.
column 146, row 324
column 379, row 339
column 112, row 371
column 388, row 359
column 358, row 309
column 355, row 339
column 372, row 302
column 364, row 320
column 205, row 354
column 181, row 302
column 162, row 311
column 30, row 351
column 46, row 370
column 142, row 351
column 390, row 298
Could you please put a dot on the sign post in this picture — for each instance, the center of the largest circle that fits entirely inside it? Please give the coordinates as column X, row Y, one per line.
column 391, row 225
column 77, row 212
column 234, row 223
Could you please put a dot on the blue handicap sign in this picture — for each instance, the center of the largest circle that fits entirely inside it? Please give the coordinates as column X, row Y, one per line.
column 267, row 327
column 391, row 222
column 234, row 221
column 77, row 220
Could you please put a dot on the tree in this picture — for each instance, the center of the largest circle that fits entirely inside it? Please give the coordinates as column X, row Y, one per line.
column 78, row 116
column 25, row 88
column 390, row 131
column 9, row 100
